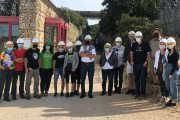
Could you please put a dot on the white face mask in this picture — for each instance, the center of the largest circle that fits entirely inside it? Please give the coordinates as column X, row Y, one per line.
column 170, row 46
column 138, row 39
column 162, row 46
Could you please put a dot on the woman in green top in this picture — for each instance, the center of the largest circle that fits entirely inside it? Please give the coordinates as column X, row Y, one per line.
column 46, row 67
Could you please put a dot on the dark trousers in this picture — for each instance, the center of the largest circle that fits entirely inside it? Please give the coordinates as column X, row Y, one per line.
column 73, row 76
column 84, row 69
column 21, row 74
column 5, row 78
column 118, row 70
column 140, row 71
column 107, row 73
column 78, row 77
column 46, row 75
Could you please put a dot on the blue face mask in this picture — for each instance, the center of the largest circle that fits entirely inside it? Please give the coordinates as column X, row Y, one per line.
column 107, row 49
column 70, row 49
column 20, row 45
column 47, row 47
column 61, row 49
column 10, row 49
column 118, row 44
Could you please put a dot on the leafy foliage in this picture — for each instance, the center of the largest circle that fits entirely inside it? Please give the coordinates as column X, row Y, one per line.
column 144, row 25
column 73, row 17
column 93, row 29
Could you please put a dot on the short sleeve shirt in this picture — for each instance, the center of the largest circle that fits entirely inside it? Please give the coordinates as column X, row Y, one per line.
column 7, row 59
column 59, row 57
column 69, row 63
column 87, row 59
column 154, row 47
column 47, row 60
column 19, row 54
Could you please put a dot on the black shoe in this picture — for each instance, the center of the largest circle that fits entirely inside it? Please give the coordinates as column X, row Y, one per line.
column 77, row 92
column 22, row 96
column 170, row 104
column 170, row 101
column 116, row 91
column 133, row 92
column 14, row 97
column 103, row 93
column 109, row 94
column 82, row 96
column 46, row 94
column 55, row 94
column 143, row 96
column 137, row 96
column 62, row 94
column 129, row 91
column 7, row 100
column 28, row 97
column 119, row 91
column 67, row 95
column 37, row 96
column 90, row 96
column 71, row 95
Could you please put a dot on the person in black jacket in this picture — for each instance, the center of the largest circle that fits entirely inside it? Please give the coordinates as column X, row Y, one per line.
column 127, row 61
column 108, row 62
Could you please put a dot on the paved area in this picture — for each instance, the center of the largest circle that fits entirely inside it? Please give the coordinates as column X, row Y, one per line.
column 118, row 106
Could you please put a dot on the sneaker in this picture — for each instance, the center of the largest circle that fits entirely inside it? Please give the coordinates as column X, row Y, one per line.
column 67, row 95
column 62, row 94
column 129, row 91
column 22, row 96
column 170, row 104
column 119, row 91
column 55, row 94
column 37, row 96
column 28, row 97
column 103, row 93
column 90, row 96
column 162, row 99
column 71, row 95
column 133, row 92
column 170, row 101
column 115, row 91
column 42, row 94
column 14, row 97
column 166, row 99
column 137, row 96
column 77, row 92
column 82, row 96
column 7, row 100
column 46, row 94
column 143, row 96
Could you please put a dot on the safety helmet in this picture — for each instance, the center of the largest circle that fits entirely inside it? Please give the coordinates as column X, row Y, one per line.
column 138, row 33
column 171, row 40
column 9, row 43
column 35, row 40
column 107, row 44
column 132, row 32
column 61, row 43
column 87, row 37
column 69, row 44
column 20, row 40
column 118, row 39
column 78, row 43
column 163, row 40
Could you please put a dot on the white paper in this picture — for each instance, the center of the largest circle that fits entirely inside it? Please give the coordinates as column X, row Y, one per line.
column 27, row 43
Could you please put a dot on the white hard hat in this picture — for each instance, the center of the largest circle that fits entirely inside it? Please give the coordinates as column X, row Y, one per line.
column 35, row 40
column 61, row 43
column 69, row 44
column 9, row 43
column 138, row 33
column 88, row 37
column 20, row 40
column 163, row 40
column 108, row 44
column 132, row 32
column 171, row 40
column 118, row 39
column 78, row 43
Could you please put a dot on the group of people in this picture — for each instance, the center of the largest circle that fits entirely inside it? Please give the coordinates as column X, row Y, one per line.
column 78, row 60
column 135, row 56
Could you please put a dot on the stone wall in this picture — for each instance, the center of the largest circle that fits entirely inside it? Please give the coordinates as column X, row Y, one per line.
column 72, row 33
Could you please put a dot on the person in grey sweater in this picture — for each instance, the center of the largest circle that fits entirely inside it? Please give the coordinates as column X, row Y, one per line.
column 108, row 62
column 71, row 62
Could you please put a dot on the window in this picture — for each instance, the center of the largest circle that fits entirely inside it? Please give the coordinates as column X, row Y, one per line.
column 4, row 32
column 15, row 32
column 51, row 34
column 65, row 36
column 62, row 34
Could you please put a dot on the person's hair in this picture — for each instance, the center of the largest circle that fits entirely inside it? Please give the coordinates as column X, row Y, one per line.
column 44, row 49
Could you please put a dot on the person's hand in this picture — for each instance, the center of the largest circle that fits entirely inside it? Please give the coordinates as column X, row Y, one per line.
column 27, row 71
column 145, row 64
column 155, row 71
column 73, row 70
column 132, row 63
column 14, row 67
column 125, row 64
column 2, row 68
column 54, row 71
column 170, row 76
column 63, row 73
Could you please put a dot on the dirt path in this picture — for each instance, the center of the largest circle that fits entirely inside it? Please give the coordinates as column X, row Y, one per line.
column 122, row 107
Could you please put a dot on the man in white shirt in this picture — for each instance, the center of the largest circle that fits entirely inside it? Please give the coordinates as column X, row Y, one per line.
column 87, row 53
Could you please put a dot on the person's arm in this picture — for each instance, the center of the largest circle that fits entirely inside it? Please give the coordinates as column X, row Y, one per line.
column 100, row 60
column 175, row 62
column 82, row 54
column 77, row 62
column 92, row 54
column 40, row 61
column 132, row 62
column 125, row 54
column 54, row 66
column 65, row 63
column 1, row 67
column 115, row 60
column 25, row 65
column 19, row 59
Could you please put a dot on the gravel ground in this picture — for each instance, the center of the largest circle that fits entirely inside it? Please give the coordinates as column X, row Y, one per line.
column 118, row 106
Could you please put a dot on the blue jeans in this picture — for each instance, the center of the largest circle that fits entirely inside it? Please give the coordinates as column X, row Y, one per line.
column 171, row 84
column 140, row 71
column 84, row 69
column 58, row 71
column 107, row 73
column 119, row 70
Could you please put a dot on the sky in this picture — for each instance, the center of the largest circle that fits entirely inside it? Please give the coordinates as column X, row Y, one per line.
column 81, row 5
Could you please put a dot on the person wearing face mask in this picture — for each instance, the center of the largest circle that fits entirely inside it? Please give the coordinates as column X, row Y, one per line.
column 107, row 62
column 6, row 70
column 71, row 62
column 127, row 61
column 87, row 53
column 172, row 72
column 140, row 53
column 19, row 70
column 159, row 68
column 154, row 44
column 58, row 62
column 31, row 63
column 78, row 45
column 119, row 52
column 46, row 67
